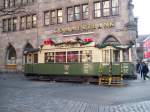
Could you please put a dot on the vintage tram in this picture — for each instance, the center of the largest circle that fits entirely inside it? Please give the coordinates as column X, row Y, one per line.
column 81, row 61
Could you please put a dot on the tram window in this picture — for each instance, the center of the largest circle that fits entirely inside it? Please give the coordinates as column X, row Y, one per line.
column 126, row 55
column 61, row 57
column 35, row 58
column 116, row 56
column 49, row 57
column 29, row 58
column 86, row 56
column 72, row 56
column 106, row 55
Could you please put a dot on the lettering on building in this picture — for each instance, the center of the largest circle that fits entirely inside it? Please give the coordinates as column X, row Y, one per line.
column 85, row 27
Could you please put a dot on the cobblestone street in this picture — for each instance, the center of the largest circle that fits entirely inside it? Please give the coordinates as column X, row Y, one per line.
column 18, row 94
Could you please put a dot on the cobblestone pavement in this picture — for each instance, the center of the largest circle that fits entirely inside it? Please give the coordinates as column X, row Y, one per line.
column 17, row 94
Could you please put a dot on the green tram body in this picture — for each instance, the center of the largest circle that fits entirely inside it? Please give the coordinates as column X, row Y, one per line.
column 78, row 69
column 94, row 68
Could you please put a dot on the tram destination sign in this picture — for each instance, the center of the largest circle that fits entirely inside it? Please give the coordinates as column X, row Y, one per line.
column 85, row 27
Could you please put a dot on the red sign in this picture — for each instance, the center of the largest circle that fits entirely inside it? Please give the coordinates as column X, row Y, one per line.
column 147, row 54
column 147, row 44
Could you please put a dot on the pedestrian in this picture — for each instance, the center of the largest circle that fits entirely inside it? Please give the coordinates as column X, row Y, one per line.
column 137, row 66
column 144, row 71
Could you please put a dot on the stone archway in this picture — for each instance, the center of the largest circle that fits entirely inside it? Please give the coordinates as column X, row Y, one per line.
column 111, row 40
column 10, row 55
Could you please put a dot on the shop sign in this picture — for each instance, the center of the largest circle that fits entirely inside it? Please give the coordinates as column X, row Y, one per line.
column 147, row 54
column 85, row 27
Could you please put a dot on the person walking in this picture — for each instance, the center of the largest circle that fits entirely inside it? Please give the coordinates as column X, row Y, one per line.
column 139, row 68
column 144, row 71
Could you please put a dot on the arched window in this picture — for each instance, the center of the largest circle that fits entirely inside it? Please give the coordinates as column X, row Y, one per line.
column 111, row 40
column 11, row 55
column 27, row 48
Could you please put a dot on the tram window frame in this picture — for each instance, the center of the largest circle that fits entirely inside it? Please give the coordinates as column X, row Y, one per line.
column 114, row 56
column 86, row 56
column 49, row 57
column 126, row 55
column 70, row 58
column 62, row 59
column 35, row 58
column 106, row 56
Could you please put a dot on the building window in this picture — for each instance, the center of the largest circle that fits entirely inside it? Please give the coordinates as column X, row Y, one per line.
column 9, row 24
column 23, row 23
column 70, row 14
column 46, row 18
column 97, row 9
column 85, row 11
column 30, row 1
column 24, row 2
column 106, row 8
column 115, row 7
column 77, row 13
column 56, row 17
column 9, row 3
column 34, row 21
column 29, row 22
column 59, row 16
column 5, row 25
column 74, row 13
column 6, row 3
column 53, row 17
column 13, row 3
column 14, row 24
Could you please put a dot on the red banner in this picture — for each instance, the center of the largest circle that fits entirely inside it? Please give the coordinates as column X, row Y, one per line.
column 147, row 54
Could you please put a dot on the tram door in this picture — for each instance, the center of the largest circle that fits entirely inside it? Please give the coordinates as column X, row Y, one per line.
column 111, row 55
column 110, row 60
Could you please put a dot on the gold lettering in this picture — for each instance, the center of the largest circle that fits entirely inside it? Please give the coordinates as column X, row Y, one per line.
column 107, row 25
column 86, row 27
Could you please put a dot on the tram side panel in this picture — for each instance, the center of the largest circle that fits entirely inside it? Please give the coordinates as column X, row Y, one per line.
column 79, row 69
column 71, row 69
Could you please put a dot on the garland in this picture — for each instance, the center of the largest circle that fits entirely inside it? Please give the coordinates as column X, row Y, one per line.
column 113, row 45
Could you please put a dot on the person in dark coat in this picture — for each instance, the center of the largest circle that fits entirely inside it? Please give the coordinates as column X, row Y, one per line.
column 144, row 71
column 137, row 66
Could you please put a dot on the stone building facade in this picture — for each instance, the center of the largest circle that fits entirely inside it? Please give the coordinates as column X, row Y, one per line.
column 28, row 22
